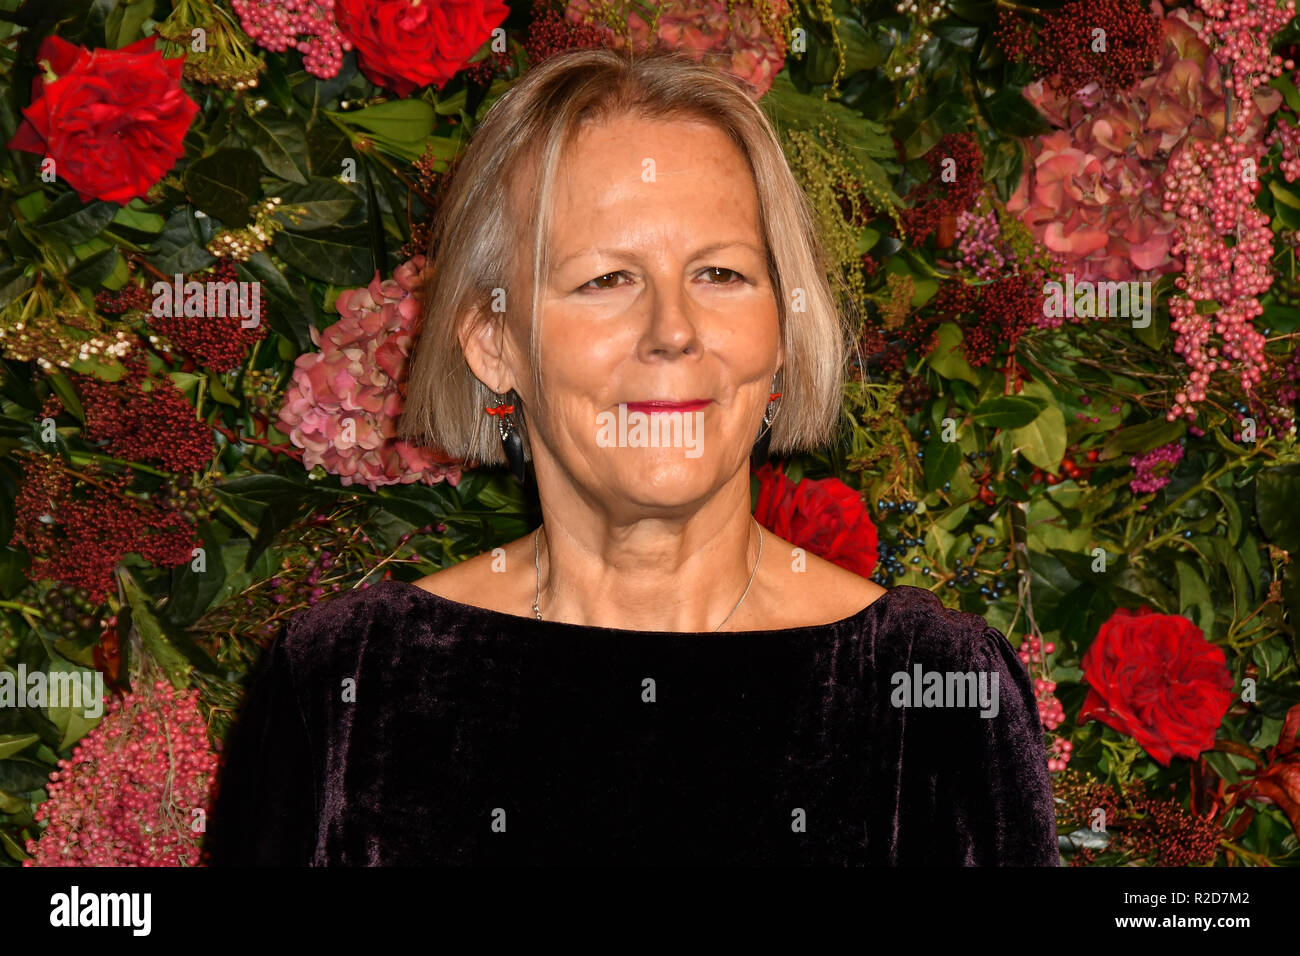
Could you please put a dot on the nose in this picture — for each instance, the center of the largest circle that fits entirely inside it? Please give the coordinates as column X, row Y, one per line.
column 671, row 324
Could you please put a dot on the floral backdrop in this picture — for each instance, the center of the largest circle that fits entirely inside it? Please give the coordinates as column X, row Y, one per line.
column 1114, row 490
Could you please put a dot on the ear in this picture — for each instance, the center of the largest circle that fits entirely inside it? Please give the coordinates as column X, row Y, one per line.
column 482, row 339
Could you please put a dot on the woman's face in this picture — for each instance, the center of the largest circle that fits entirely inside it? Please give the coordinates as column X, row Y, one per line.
column 658, row 292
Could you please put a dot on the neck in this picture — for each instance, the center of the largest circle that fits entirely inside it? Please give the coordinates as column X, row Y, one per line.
column 650, row 574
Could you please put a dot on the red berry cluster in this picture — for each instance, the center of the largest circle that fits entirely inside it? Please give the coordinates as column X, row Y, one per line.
column 1063, row 49
column 884, row 355
column 550, row 33
column 78, row 534
column 153, row 426
column 130, row 298
column 128, row 794
column 1139, row 825
column 936, row 199
column 215, row 342
column 998, row 314
column 1070, row 469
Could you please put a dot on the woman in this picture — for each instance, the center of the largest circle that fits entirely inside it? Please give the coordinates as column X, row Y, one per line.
column 650, row 676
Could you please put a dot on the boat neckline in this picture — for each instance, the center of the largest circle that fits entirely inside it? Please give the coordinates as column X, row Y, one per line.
column 520, row 620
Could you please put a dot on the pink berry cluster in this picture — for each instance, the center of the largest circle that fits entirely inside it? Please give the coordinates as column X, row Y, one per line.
column 1059, row 753
column 127, row 795
column 1289, row 138
column 307, row 26
column 1152, row 468
column 1210, row 186
column 979, row 244
column 1034, row 651
column 1245, row 30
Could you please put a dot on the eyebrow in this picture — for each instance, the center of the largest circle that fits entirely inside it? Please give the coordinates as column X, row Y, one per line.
column 628, row 253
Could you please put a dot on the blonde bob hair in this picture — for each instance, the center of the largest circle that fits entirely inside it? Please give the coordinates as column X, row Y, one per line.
column 472, row 252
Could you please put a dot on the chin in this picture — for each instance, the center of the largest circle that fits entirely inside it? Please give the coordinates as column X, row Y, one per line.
column 667, row 478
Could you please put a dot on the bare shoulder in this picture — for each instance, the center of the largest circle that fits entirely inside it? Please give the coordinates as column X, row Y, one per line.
column 811, row 590
column 488, row 580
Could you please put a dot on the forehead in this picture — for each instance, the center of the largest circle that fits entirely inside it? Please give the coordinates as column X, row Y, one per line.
column 678, row 169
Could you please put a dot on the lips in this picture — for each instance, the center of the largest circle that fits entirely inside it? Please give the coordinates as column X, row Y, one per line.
column 650, row 408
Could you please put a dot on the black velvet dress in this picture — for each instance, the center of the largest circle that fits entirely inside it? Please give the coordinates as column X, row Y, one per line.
column 391, row 726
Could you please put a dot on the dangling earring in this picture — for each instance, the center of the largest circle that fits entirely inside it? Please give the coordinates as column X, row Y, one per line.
column 758, row 456
column 511, row 442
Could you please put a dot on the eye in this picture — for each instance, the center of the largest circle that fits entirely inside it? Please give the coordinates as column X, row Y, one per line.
column 733, row 272
column 607, row 275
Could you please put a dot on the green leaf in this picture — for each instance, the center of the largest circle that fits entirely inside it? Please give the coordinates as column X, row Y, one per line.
column 1283, row 195
column 69, row 220
column 319, row 203
column 1012, row 115
column 1043, row 440
column 279, row 143
column 20, row 775
column 1007, row 411
column 67, row 394
column 1144, row 437
column 11, row 744
column 1276, row 492
column 941, row 461
column 291, row 310
column 139, row 220
column 96, row 269
column 1193, row 592
column 173, row 649
column 955, row 32
column 337, row 263
column 125, row 20
column 71, row 720
column 224, row 184
column 947, row 358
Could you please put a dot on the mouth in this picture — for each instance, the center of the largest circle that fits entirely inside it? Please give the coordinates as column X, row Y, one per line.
column 650, row 408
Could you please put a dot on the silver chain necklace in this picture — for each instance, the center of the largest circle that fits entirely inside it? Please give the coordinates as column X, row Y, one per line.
column 537, row 564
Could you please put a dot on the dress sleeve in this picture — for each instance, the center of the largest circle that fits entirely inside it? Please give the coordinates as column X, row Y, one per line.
column 1003, row 797
column 265, row 811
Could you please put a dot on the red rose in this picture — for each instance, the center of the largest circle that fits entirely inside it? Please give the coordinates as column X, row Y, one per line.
column 403, row 44
column 1156, row 678
column 113, row 121
column 826, row 517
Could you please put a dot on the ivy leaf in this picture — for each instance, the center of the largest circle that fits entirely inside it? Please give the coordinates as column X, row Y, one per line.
column 223, row 184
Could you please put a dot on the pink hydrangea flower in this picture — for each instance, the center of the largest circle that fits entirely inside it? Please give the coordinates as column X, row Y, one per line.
column 1092, row 189
column 749, row 49
column 343, row 404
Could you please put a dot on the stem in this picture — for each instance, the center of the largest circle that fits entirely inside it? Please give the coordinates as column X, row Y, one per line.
column 1017, row 7
column 81, row 457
